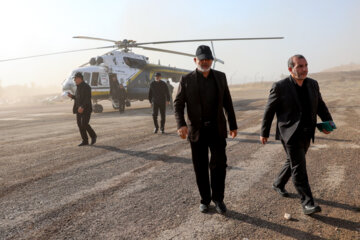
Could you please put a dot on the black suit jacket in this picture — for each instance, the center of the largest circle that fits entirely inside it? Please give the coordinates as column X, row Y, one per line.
column 82, row 98
column 188, row 95
column 159, row 93
column 284, row 102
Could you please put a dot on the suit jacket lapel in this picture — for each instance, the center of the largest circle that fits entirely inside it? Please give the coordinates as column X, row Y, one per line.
column 310, row 90
column 218, row 86
column 294, row 92
column 195, row 88
column 196, row 84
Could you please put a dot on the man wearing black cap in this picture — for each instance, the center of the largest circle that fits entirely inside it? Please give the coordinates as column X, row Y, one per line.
column 159, row 96
column 83, row 108
column 205, row 94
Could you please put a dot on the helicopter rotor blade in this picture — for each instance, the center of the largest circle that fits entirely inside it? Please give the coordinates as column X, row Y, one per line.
column 130, row 44
column 83, row 65
column 94, row 38
column 55, row 53
column 211, row 39
column 167, row 51
column 175, row 52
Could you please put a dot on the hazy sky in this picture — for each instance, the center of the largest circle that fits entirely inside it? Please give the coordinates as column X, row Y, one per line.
column 327, row 32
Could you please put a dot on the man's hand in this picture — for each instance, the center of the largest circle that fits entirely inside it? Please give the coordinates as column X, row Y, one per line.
column 326, row 132
column 80, row 110
column 263, row 140
column 183, row 132
column 167, row 102
column 233, row 133
column 70, row 95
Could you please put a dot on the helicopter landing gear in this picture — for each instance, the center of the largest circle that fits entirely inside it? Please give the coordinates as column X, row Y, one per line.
column 98, row 108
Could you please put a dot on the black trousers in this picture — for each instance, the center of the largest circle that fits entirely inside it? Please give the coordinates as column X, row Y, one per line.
column 83, row 120
column 210, row 188
column 156, row 107
column 295, row 167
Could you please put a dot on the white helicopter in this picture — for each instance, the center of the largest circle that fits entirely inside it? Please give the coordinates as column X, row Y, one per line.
column 131, row 70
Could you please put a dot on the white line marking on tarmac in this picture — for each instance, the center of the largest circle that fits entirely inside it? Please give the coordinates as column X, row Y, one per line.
column 6, row 112
column 16, row 119
column 348, row 145
column 317, row 147
column 335, row 176
column 46, row 114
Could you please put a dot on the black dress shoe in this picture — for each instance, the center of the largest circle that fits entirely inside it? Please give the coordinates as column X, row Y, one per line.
column 162, row 131
column 83, row 144
column 93, row 140
column 204, row 208
column 220, row 207
column 282, row 192
column 310, row 209
column 156, row 130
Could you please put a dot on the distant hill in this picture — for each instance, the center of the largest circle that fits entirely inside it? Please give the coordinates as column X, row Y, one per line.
column 344, row 68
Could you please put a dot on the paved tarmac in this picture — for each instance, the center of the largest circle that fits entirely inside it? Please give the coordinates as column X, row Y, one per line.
column 134, row 184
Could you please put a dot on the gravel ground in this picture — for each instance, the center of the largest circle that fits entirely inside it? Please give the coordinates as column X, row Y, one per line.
column 137, row 185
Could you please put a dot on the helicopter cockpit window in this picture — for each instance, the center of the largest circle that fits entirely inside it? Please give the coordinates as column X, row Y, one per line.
column 95, row 79
column 134, row 62
column 87, row 77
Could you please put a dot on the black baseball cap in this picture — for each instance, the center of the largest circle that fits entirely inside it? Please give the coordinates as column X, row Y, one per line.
column 204, row 52
column 78, row 74
column 157, row 74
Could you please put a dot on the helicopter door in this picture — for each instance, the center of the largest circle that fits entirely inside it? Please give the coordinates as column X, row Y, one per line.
column 87, row 77
column 114, row 83
column 114, row 86
column 95, row 79
column 104, row 79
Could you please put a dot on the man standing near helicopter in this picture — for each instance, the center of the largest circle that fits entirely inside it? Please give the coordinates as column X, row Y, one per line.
column 118, row 92
column 159, row 96
column 83, row 108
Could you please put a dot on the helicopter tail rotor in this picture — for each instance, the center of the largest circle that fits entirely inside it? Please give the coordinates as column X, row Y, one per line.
column 213, row 50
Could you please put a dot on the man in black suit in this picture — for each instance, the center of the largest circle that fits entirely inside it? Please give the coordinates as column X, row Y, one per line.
column 206, row 95
column 158, row 97
column 83, row 108
column 296, row 101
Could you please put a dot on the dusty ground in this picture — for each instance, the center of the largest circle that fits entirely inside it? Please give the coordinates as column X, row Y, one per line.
column 136, row 185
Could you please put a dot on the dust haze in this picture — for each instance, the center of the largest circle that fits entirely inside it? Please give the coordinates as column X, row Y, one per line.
column 29, row 94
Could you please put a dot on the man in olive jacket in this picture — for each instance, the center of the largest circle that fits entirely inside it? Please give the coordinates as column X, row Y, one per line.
column 83, row 108
column 205, row 94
